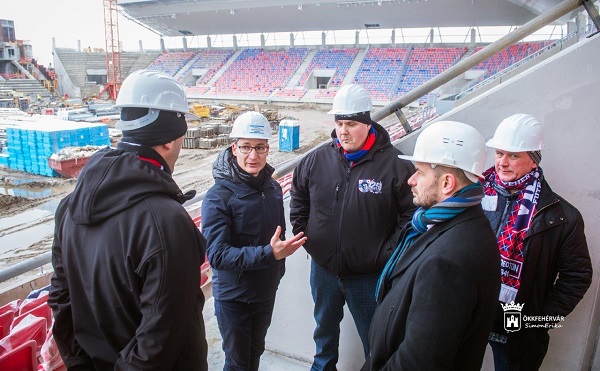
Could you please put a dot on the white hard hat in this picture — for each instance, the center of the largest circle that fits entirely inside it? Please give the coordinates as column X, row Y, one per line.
column 251, row 125
column 351, row 99
column 452, row 144
column 153, row 90
column 518, row 133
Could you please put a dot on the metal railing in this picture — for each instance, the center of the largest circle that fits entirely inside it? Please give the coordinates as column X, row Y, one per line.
column 392, row 108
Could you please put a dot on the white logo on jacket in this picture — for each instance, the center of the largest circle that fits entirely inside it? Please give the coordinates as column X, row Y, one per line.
column 369, row 185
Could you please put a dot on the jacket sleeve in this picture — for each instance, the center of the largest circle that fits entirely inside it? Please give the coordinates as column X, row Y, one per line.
column 217, row 228
column 444, row 298
column 574, row 268
column 300, row 199
column 59, row 300
column 170, row 291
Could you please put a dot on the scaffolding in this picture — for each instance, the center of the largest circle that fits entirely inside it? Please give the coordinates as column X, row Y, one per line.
column 113, row 53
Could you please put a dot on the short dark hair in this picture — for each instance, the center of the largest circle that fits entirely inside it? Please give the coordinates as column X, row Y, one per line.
column 459, row 174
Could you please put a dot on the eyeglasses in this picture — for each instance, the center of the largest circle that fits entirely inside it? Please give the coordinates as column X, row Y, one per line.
column 259, row 149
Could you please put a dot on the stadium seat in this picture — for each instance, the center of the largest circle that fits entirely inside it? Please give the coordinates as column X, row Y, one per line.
column 21, row 358
column 30, row 328
column 5, row 321
column 42, row 311
column 29, row 304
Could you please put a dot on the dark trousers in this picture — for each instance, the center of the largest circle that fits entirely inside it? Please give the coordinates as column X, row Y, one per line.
column 243, row 327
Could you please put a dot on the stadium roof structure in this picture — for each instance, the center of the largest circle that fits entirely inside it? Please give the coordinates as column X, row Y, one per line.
column 217, row 17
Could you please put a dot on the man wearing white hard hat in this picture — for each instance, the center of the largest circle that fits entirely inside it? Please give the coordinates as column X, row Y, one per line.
column 244, row 225
column 438, row 291
column 351, row 199
column 546, row 266
column 126, row 255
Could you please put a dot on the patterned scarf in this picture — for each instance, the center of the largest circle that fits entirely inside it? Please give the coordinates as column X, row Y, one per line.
column 422, row 219
column 515, row 227
column 355, row 156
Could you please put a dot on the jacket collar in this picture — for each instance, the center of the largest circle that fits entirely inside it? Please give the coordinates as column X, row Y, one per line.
column 422, row 242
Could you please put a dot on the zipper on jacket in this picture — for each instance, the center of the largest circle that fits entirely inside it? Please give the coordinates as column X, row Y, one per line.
column 339, row 229
column 337, row 190
column 239, row 278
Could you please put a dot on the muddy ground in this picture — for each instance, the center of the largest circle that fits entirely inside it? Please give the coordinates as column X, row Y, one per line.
column 26, row 222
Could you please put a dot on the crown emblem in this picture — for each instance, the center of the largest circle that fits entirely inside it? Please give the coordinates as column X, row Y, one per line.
column 512, row 306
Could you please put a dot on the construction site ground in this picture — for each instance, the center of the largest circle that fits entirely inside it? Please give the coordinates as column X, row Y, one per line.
column 26, row 223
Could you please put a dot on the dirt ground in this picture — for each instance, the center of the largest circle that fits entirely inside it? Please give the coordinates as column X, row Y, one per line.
column 193, row 170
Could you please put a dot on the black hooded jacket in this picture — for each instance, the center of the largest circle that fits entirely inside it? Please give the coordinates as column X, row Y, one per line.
column 126, row 286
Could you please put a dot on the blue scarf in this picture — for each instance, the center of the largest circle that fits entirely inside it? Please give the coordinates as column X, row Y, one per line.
column 355, row 156
column 468, row 196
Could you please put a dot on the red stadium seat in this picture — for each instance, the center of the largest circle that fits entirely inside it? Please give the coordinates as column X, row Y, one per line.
column 21, row 358
column 5, row 321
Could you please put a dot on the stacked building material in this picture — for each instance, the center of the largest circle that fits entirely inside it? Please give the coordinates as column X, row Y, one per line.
column 30, row 144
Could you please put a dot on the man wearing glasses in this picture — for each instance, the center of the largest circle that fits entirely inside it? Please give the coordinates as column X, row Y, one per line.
column 244, row 225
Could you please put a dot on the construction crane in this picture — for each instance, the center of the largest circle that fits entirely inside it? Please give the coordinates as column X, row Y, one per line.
column 113, row 53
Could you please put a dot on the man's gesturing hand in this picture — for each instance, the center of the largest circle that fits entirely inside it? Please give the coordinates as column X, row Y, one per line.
column 282, row 249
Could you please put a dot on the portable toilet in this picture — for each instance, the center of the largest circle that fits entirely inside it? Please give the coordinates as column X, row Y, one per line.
column 289, row 135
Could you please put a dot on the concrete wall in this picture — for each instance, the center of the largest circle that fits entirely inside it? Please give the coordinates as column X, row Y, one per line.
column 562, row 92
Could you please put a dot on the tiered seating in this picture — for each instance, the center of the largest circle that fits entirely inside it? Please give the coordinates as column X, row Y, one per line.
column 379, row 71
column 326, row 94
column 290, row 93
column 338, row 59
column 196, row 90
column 212, row 60
column 508, row 56
column 171, row 62
column 426, row 63
column 259, row 72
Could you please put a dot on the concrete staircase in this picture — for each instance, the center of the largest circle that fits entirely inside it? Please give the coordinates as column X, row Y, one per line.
column 224, row 68
column 354, row 67
column 293, row 83
column 186, row 68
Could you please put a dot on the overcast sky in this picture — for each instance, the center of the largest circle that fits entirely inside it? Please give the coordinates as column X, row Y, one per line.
column 68, row 21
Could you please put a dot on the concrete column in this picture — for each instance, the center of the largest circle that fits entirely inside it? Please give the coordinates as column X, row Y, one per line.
column 473, row 38
column 393, row 38
column 262, row 40
column 185, row 47
column 431, row 34
column 291, row 40
column 356, row 39
column 323, row 39
column 235, row 44
column 141, row 46
column 79, row 45
column 209, row 42
column 120, row 50
column 162, row 44
column 53, row 43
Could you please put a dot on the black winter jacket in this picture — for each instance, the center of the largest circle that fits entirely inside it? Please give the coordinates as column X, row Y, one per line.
column 126, row 286
column 352, row 216
column 440, row 308
column 238, row 222
column 556, row 273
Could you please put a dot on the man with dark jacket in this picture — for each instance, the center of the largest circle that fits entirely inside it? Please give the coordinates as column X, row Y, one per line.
column 126, row 255
column 438, row 290
column 351, row 199
column 546, row 266
column 244, row 224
